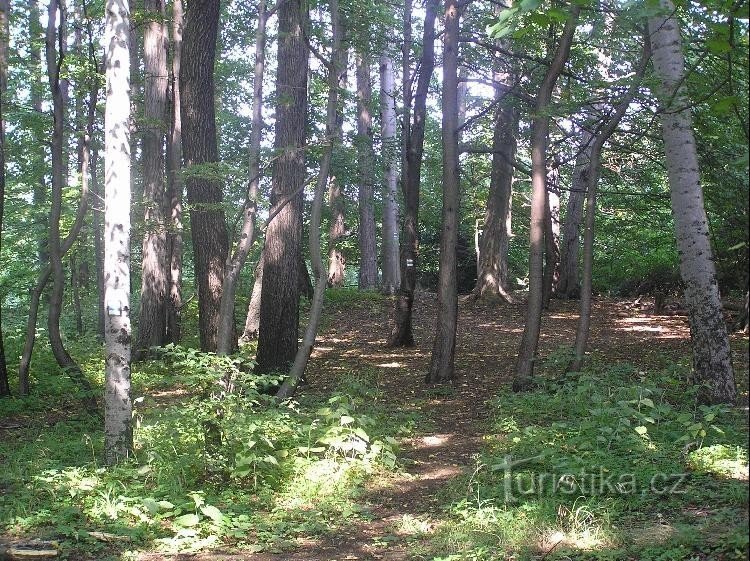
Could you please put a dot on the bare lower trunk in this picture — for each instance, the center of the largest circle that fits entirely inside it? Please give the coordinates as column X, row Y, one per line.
column 98, row 243
column 390, row 244
column 552, row 235
column 443, row 349
column 226, row 341
column 402, row 334
column 118, row 411
column 368, row 264
column 205, row 193
column 279, row 314
column 75, row 287
column 173, row 196
column 252, row 321
column 152, row 316
column 568, row 285
column 712, row 357
column 524, row 370
column 492, row 264
column 333, row 132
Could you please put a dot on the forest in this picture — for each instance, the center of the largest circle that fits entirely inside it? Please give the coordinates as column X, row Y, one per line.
column 402, row 280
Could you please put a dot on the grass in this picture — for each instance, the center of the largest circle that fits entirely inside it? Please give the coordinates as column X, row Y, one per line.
column 239, row 470
column 610, row 463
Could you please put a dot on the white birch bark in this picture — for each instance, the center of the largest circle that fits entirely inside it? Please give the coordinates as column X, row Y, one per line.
column 712, row 365
column 118, row 432
column 390, row 245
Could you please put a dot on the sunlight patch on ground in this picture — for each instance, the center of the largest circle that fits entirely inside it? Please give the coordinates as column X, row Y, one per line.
column 390, row 365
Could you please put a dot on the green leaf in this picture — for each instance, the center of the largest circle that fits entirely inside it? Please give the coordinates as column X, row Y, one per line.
column 213, row 513
column 346, row 420
column 151, row 505
column 647, row 402
column 187, row 520
column 641, row 430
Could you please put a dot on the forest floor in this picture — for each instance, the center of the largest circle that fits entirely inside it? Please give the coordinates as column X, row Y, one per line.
column 404, row 509
column 441, row 502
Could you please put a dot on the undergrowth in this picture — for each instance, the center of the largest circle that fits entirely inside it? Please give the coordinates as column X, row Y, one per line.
column 608, row 464
column 216, row 462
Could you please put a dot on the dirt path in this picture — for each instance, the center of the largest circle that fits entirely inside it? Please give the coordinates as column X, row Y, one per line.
column 449, row 436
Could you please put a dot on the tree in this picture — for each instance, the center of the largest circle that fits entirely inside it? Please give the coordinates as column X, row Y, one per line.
column 204, row 190
column 174, row 184
column 443, row 349
column 540, row 130
column 551, row 234
column 712, row 357
column 153, row 314
column 236, row 260
column 590, row 188
column 57, row 249
column 390, row 249
column 118, row 414
column 336, row 68
column 279, row 314
column 4, row 33
column 402, row 334
column 368, row 264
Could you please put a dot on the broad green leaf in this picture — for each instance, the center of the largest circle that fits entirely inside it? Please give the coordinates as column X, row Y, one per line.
column 187, row 520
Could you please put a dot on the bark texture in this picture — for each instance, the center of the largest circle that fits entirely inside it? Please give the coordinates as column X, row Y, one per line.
column 569, row 284
column 279, row 314
column 367, row 278
column 390, row 243
column 524, row 370
column 153, row 315
column 118, row 409
column 333, row 136
column 208, row 225
column 252, row 321
column 444, row 346
column 4, row 33
column 712, row 358
column 174, row 189
column 402, row 334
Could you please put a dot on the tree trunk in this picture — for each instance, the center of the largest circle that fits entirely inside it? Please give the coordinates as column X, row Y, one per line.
column 75, row 287
column 569, row 285
column 552, row 235
column 524, row 370
column 36, row 95
column 743, row 324
column 56, row 251
column 153, row 315
column 333, row 137
column 4, row 36
column 336, row 195
column 118, row 414
column 173, row 197
column 368, row 254
column 443, row 349
column 492, row 274
column 208, row 226
column 279, row 314
column 402, row 334
column 252, row 322
column 594, row 170
column 227, row 341
column 390, row 245
column 98, row 243
column 712, row 357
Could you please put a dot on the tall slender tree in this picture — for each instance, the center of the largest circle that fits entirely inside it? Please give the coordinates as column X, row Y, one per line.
column 712, row 356
column 279, row 314
column 402, row 333
column 153, row 315
column 390, row 245
column 540, row 131
column 204, row 191
column 368, row 264
column 4, row 34
column 118, row 409
column 173, row 198
column 444, row 346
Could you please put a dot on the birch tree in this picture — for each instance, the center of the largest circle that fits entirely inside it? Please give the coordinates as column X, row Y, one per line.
column 712, row 356
column 118, row 410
